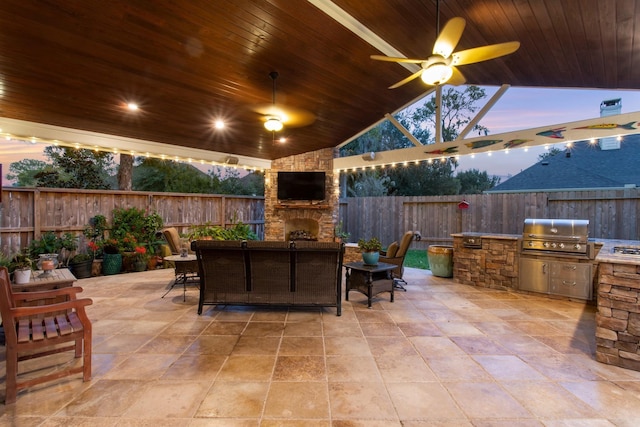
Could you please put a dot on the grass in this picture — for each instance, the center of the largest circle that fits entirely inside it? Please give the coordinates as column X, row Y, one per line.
column 417, row 258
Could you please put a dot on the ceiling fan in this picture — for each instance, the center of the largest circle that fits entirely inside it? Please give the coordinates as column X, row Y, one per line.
column 440, row 67
column 276, row 116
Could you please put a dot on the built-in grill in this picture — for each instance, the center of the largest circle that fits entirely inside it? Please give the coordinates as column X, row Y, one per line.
column 472, row 240
column 555, row 257
column 557, row 236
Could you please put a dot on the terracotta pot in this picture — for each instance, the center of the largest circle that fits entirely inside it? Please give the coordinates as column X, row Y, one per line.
column 96, row 267
column 152, row 263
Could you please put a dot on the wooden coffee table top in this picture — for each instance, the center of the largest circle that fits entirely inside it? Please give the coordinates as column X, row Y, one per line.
column 59, row 278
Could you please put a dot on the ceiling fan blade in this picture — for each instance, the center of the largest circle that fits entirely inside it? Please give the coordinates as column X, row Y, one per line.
column 449, row 37
column 484, row 53
column 395, row 59
column 457, row 78
column 289, row 116
column 407, row 80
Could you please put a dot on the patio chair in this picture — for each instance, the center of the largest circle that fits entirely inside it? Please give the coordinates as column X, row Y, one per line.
column 395, row 254
column 173, row 239
column 35, row 327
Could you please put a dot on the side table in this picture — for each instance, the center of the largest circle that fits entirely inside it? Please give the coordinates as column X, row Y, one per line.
column 369, row 279
column 187, row 271
column 59, row 278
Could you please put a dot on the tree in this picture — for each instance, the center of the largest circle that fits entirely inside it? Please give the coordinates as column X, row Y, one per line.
column 230, row 181
column 369, row 183
column 549, row 153
column 125, row 172
column 425, row 178
column 457, row 111
column 169, row 176
column 475, row 182
column 24, row 172
column 76, row 168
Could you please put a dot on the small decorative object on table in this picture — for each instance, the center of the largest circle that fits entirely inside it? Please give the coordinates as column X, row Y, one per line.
column 47, row 263
column 370, row 250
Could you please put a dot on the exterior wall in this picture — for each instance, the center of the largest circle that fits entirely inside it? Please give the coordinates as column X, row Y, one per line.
column 618, row 317
column 325, row 213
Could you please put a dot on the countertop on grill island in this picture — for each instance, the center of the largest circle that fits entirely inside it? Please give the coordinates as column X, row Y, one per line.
column 489, row 235
column 606, row 254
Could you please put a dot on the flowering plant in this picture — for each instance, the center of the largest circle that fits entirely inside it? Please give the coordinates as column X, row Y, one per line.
column 141, row 253
column 128, row 243
column 111, row 247
column 95, row 249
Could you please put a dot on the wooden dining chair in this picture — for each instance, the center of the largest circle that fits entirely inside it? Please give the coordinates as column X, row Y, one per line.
column 35, row 327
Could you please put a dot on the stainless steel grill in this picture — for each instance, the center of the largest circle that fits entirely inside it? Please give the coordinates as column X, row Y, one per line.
column 557, row 236
column 555, row 257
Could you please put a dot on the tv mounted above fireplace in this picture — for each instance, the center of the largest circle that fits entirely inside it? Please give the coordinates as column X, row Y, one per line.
column 301, row 186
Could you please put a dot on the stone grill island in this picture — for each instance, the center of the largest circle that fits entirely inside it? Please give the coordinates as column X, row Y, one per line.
column 614, row 286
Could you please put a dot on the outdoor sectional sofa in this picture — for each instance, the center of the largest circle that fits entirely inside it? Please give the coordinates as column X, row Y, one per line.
column 297, row 273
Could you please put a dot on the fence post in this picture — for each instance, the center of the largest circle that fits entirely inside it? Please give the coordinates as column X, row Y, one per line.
column 37, row 223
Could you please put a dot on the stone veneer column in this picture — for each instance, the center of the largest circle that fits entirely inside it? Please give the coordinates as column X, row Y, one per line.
column 618, row 316
column 327, row 217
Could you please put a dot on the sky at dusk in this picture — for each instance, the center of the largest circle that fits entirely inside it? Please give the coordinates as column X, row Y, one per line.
column 519, row 108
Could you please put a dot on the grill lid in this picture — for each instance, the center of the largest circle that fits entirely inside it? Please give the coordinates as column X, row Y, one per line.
column 568, row 230
column 556, row 235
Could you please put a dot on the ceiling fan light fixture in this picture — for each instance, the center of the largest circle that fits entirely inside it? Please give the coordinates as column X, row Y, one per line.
column 273, row 124
column 436, row 74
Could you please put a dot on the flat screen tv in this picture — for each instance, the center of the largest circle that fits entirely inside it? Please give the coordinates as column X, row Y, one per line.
column 301, row 186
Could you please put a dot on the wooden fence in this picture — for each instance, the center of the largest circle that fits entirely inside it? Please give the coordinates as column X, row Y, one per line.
column 612, row 214
column 26, row 213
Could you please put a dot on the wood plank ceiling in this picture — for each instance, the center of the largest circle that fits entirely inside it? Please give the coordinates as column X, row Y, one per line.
column 74, row 63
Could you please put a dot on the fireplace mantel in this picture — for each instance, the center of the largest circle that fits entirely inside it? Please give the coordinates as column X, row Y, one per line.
column 300, row 206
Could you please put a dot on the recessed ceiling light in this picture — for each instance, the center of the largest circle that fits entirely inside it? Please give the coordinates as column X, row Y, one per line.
column 218, row 124
column 132, row 106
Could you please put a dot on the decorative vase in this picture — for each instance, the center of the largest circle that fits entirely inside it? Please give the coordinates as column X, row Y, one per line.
column 22, row 277
column 140, row 265
column 370, row 258
column 47, row 263
column 82, row 269
column 111, row 264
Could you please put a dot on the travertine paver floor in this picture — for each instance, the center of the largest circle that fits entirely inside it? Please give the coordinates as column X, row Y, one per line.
column 442, row 355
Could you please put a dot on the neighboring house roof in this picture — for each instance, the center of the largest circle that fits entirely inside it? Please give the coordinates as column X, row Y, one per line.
column 583, row 166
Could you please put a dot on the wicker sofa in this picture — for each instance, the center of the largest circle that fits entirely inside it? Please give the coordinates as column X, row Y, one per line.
column 299, row 273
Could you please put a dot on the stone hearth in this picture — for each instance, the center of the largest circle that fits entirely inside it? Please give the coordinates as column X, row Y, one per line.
column 319, row 219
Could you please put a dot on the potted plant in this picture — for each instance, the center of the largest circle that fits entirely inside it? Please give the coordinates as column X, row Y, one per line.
column 141, row 258
column 80, row 265
column 370, row 250
column 95, row 232
column 21, row 266
column 50, row 246
column 112, row 261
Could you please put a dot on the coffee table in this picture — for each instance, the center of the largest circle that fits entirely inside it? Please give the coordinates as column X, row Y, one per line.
column 369, row 279
column 187, row 271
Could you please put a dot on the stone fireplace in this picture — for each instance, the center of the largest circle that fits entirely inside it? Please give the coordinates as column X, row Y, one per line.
column 304, row 219
column 301, row 228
